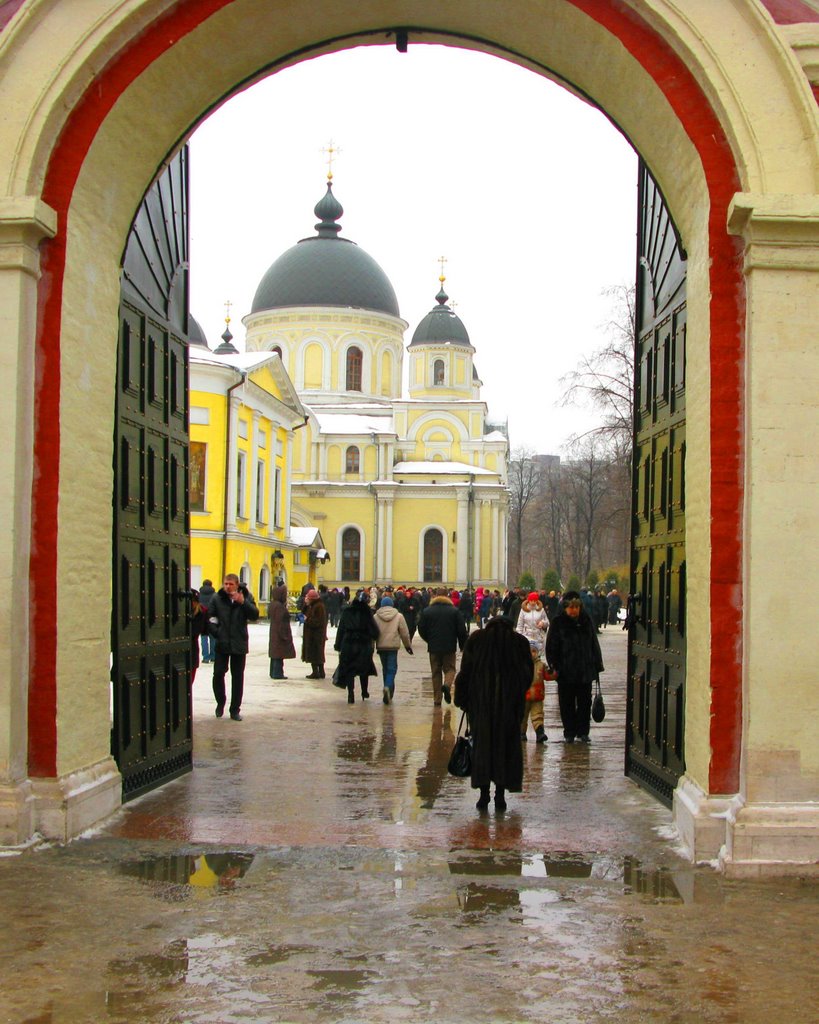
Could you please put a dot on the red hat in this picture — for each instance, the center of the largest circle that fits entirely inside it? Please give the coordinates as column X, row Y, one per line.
column 311, row 595
column 533, row 597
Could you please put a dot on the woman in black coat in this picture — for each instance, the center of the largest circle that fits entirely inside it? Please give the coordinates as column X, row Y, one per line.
column 496, row 672
column 355, row 640
column 573, row 652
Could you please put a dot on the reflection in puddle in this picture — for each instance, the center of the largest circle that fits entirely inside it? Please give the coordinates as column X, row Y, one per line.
column 341, row 981
column 277, row 955
column 476, row 898
column 654, row 883
column 218, row 872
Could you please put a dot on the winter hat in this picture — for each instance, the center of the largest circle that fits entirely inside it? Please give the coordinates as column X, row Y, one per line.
column 311, row 595
column 386, row 602
column 533, row 597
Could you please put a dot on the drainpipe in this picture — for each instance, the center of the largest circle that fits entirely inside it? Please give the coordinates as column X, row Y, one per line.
column 470, row 532
column 228, row 440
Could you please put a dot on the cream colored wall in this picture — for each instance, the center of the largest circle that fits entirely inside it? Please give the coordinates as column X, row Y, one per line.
column 732, row 49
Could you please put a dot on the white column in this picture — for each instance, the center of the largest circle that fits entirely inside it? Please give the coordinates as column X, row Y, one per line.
column 254, row 466
column 230, row 458
column 379, row 557
column 462, row 540
column 287, row 477
column 24, row 222
column 495, row 555
column 388, row 539
column 477, row 567
column 322, row 461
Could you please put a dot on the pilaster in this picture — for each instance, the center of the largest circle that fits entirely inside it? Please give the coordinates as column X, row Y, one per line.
column 24, row 222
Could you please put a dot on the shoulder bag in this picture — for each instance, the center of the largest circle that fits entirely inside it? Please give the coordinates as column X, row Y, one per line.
column 460, row 760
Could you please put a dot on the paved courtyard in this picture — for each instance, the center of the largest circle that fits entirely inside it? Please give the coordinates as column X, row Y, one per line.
column 320, row 865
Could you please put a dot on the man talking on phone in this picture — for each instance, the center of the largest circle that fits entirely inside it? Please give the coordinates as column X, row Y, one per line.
column 230, row 610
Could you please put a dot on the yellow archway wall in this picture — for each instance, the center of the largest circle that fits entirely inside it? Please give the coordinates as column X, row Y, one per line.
column 754, row 83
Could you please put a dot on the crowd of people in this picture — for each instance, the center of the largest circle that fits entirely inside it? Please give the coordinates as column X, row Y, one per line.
column 521, row 641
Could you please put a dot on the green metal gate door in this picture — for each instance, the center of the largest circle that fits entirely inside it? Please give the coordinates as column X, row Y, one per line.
column 151, row 674
column 655, row 752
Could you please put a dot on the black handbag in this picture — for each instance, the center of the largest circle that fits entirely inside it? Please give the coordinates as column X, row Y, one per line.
column 337, row 681
column 460, row 760
column 598, row 708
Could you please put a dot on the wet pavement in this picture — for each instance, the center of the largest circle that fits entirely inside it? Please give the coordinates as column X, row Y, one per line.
column 320, row 865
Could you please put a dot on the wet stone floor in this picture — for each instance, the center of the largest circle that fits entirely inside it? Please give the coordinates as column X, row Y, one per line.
column 319, row 865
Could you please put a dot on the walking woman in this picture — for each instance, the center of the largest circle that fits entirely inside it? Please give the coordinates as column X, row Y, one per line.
column 496, row 671
column 280, row 640
column 356, row 635
column 314, row 635
column 533, row 623
column 573, row 651
column 392, row 633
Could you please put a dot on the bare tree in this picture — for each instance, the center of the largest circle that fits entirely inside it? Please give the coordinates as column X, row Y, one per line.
column 524, row 484
column 588, row 483
column 605, row 379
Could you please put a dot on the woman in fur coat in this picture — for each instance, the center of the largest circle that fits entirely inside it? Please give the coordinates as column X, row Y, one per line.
column 280, row 639
column 496, row 670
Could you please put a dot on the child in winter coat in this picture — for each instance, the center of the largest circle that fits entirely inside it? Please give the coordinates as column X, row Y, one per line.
column 534, row 699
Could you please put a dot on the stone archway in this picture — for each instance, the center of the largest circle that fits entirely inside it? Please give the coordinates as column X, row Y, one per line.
column 717, row 107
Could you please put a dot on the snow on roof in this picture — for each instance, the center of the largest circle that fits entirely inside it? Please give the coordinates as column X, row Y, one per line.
column 305, row 536
column 353, row 423
column 440, row 468
column 495, row 435
column 239, row 360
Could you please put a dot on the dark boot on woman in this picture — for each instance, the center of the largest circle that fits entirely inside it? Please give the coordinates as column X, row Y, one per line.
column 500, row 799
column 483, row 802
column 350, row 695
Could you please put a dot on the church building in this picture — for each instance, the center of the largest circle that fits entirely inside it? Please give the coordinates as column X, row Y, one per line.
column 403, row 489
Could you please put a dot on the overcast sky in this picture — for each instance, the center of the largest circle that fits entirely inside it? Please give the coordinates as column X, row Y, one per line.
column 527, row 191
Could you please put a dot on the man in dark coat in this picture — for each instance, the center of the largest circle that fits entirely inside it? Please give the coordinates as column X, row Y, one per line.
column 442, row 626
column 355, row 640
column 229, row 612
column 280, row 639
column 573, row 651
column 496, row 671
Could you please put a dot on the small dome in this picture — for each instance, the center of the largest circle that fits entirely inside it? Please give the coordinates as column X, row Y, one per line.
column 326, row 270
column 196, row 336
column 440, row 326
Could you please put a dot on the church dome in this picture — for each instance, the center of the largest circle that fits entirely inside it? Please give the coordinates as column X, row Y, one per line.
column 325, row 270
column 440, row 326
column 196, row 336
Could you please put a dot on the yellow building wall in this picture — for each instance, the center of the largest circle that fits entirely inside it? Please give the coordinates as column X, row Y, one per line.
column 386, row 374
column 212, row 435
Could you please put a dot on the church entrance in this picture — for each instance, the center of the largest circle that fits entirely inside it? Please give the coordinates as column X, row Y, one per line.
column 627, row 65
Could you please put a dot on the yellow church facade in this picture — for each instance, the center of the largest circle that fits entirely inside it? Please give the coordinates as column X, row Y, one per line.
column 244, row 414
column 403, row 490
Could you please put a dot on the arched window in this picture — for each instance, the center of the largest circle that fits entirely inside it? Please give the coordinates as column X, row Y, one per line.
column 354, row 360
column 245, row 575
column 433, row 556
column 351, row 554
column 352, row 461
column 438, row 372
column 264, row 584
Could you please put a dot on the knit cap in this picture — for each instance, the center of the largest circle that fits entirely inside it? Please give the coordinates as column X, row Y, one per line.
column 386, row 602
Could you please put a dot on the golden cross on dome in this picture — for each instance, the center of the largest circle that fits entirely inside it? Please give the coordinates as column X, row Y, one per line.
column 228, row 304
column 442, row 260
column 331, row 150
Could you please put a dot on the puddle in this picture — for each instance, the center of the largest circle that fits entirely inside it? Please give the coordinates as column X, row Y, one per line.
column 655, row 884
column 278, row 955
column 184, row 873
column 342, row 980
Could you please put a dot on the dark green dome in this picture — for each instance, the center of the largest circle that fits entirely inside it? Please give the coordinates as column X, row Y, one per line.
column 440, row 326
column 326, row 270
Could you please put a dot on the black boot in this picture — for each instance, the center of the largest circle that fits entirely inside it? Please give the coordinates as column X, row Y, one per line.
column 350, row 695
column 500, row 800
column 483, row 801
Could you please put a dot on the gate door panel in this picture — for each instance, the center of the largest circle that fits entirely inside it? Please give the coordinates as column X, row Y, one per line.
column 655, row 753
column 151, row 736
